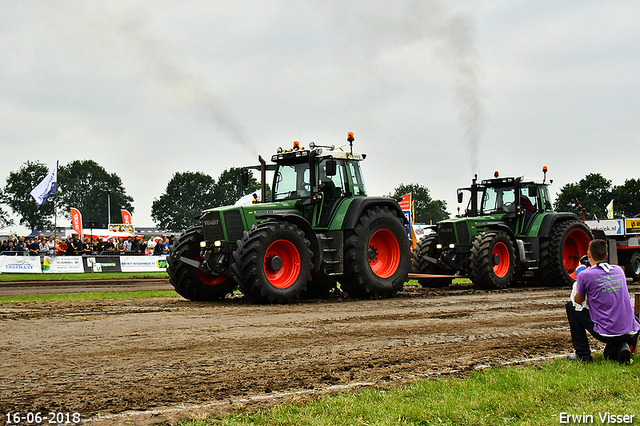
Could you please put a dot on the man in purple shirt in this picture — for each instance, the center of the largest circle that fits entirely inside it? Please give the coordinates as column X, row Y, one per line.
column 609, row 317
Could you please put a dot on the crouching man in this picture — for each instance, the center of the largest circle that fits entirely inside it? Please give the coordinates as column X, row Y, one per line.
column 609, row 317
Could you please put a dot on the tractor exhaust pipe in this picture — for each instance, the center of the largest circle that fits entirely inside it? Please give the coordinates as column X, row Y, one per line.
column 263, row 178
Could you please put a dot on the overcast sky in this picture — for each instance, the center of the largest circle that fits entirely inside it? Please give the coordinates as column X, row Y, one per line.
column 434, row 91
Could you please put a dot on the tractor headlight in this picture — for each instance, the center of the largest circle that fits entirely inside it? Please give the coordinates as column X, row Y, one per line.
column 452, row 246
column 217, row 243
column 439, row 246
column 203, row 244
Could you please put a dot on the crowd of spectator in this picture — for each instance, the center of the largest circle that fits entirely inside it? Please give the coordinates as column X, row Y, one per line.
column 73, row 246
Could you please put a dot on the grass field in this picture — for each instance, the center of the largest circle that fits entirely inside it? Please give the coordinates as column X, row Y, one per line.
column 533, row 395
column 103, row 295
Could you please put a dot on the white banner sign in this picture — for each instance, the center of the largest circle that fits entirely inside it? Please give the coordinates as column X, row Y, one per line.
column 20, row 264
column 609, row 227
column 143, row 263
column 62, row 264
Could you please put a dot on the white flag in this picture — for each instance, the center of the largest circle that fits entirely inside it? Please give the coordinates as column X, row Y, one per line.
column 610, row 210
column 45, row 188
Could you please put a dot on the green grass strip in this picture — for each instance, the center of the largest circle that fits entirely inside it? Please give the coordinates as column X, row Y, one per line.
column 98, row 295
column 77, row 276
column 533, row 395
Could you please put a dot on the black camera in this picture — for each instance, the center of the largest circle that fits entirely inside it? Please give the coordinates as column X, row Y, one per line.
column 585, row 261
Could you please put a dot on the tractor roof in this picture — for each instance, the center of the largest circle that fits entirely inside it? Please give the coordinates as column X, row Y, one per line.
column 297, row 153
column 504, row 181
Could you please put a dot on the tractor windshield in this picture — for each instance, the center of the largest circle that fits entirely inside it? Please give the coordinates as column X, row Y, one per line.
column 498, row 200
column 291, row 181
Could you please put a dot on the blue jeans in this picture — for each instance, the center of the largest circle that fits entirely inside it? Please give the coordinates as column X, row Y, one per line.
column 580, row 322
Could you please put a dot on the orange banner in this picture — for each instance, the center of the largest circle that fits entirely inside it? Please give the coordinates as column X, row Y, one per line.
column 405, row 202
column 76, row 222
column 126, row 217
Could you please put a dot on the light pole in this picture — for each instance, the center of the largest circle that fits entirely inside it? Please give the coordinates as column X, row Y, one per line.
column 108, row 210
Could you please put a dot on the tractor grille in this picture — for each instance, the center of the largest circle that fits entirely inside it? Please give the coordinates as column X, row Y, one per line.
column 212, row 227
column 463, row 232
column 233, row 222
column 445, row 233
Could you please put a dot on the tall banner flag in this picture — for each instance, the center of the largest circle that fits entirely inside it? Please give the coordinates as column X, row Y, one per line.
column 46, row 187
column 610, row 210
column 76, row 222
column 127, row 221
column 126, row 217
column 406, row 204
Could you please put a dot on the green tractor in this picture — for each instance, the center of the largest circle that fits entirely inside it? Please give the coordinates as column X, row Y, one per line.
column 319, row 228
column 508, row 233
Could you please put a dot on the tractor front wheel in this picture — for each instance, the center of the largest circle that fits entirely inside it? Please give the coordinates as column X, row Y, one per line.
column 189, row 282
column 426, row 246
column 492, row 260
column 272, row 263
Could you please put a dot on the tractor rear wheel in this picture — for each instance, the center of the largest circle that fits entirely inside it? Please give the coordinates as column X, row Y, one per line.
column 272, row 263
column 189, row 282
column 492, row 259
column 568, row 242
column 632, row 268
column 377, row 257
column 426, row 246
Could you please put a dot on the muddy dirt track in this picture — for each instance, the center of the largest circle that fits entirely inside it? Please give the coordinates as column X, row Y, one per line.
column 101, row 358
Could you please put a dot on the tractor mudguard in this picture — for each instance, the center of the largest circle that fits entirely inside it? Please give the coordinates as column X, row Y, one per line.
column 551, row 218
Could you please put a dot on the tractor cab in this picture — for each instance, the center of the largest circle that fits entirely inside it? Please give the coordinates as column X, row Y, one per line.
column 514, row 201
column 319, row 179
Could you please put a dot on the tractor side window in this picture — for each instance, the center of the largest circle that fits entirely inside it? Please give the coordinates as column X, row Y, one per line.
column 332, row 186
column 546, row 199
column 291, row 181
column 529, row 203
column 358, row 181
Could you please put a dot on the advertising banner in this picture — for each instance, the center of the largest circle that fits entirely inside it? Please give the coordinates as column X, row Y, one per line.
column 406, row 204
column 102, row 264
column 609, row 227
column 126, row 217
column 76, row 222
column 632, row 226
column 62, row 264
column 20, row 264
column 143, row 263
column 120, row 228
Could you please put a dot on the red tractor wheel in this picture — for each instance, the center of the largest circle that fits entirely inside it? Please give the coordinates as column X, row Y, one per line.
column 282, row 264
column 501, row 260
column 272, row 263
column 492, row 259
column 377, row 258
column 574, row 247
column 383, row 253
column 189, row 282
column 568, row 242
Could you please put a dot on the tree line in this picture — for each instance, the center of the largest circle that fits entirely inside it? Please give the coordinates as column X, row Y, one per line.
column 86, row 185
column 593, row 194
